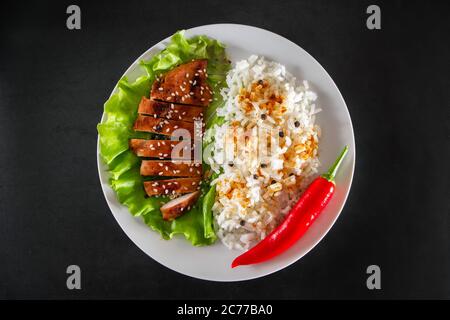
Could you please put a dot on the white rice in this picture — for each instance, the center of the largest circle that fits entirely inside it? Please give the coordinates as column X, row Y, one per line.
column 255, row 189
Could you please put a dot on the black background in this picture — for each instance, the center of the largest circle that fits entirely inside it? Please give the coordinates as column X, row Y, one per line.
column 53, row 83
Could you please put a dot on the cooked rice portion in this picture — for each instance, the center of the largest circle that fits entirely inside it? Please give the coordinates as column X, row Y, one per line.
column 265, row 152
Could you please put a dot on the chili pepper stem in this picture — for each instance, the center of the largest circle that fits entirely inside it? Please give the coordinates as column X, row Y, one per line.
column 331, row 173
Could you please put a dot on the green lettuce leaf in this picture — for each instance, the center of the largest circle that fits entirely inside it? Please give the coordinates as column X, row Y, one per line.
column 117, row 128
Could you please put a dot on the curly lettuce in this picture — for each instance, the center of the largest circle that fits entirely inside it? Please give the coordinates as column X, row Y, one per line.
column 117, row 128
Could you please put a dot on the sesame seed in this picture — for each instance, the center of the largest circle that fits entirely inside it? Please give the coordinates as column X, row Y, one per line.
column 168, row 129
column 175, row 127
column 187, row 75
column 167, row 191
column 161, row 89
column 155, row 190
column 169, row 98
column 167, row 168
column 191, row 93
column 166, row 155
column 172, row 94
column 160, row 164
column 193, row 183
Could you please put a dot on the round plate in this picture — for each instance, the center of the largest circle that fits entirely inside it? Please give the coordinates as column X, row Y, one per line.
column 213, row 262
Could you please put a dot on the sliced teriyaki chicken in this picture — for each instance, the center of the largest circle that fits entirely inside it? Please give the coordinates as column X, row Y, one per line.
column 161, row 126
column 167, row 110
column 168, row 168
column 163, row 149
column 176, row 207
column 186, row 84
column 171, row 186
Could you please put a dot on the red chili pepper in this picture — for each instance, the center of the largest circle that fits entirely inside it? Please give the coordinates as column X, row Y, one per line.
column 312, row 202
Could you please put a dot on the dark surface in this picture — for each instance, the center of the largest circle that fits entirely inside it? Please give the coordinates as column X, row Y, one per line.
column 53, row 83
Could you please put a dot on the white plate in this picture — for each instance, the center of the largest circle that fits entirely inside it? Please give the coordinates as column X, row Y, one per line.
column 213, row 262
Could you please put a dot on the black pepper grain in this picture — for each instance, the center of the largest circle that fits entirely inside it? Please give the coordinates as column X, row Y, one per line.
column 230, row 164
column 242, row 223
column 255, row 176
column 263, row 165
column 297, row 124
column 263, row 116
column 281, row 134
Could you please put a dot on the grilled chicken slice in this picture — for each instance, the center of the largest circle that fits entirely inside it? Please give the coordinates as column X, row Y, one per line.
column 162, row 126
column 163, row 149
column 167, row 168
column 176, row 207
column 171, row 186
column 169, row 110
column 186, row 84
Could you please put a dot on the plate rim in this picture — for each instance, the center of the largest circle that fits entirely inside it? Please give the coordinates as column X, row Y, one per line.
column 341, row 207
